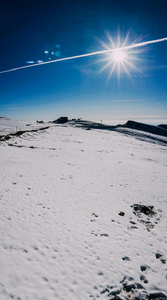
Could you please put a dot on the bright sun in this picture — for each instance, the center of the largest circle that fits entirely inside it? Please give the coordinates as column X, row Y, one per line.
column 119, row 55
column 119, row 58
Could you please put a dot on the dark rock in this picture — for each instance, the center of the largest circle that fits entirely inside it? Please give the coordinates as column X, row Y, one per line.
column 147, row 210
column 126, row 258
column 131, row 290
column 126, row 279
column 158, row 255
column 104, row 234
column 132, row 287
column 121, row 214
column 143, row 278
column 138, row 286
column 161, row 257
column 105, row 291
column 114, row 292
column 132, row 222
column 93, row 214
column 144, row 268
column 129, row 287
column 158, row 296
column 45, row 279
column 100, row 273
column 163, row 261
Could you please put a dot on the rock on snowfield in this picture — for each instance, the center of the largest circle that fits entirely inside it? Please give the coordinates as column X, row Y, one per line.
column 62, row 234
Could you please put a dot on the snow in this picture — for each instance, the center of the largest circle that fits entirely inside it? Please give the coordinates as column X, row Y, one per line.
column 8, row 126
column 62, row 234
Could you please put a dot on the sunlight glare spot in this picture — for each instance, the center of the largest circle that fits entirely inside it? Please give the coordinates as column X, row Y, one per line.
column 119, row 55
column 122, row 57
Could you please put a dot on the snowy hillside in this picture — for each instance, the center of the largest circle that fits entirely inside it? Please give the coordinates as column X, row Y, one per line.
column 83, row 215
column 8, row 126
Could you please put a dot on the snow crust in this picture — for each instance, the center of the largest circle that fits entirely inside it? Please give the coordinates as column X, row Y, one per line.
column 62, row 232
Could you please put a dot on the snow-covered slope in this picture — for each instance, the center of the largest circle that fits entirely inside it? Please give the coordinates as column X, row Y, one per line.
column 8, row 126
column 69, row 225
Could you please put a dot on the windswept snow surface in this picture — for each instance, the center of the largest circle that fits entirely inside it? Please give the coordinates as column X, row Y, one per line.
column 8, row 126
column 68, row 227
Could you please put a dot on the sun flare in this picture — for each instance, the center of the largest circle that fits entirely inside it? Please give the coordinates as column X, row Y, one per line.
column 121, row 57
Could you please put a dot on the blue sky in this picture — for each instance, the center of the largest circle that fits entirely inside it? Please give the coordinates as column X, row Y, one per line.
column 79, row 88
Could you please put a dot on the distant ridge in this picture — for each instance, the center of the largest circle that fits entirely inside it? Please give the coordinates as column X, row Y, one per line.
column 164, row 126
column 159, row 130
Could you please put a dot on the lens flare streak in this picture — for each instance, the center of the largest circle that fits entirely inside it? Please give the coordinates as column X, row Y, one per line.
column 142, row 44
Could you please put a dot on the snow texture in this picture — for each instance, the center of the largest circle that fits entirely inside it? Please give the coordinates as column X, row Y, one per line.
column 83, row 216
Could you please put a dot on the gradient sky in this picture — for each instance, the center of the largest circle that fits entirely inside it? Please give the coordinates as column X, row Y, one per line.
column 78, row 88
